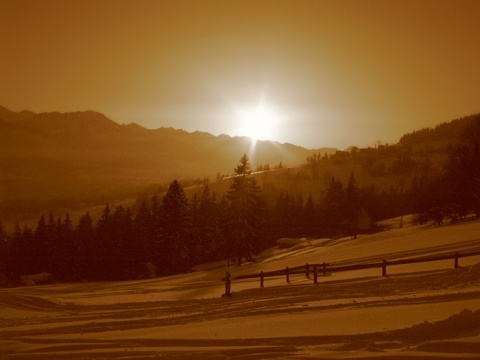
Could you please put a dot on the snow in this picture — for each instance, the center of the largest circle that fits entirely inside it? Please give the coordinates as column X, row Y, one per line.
column 355, row 314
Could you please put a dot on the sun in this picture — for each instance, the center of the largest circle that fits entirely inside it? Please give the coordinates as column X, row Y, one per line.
column 258, row 123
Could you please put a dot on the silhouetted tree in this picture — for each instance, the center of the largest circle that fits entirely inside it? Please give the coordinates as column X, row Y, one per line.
column 115, row 244
column 144, row 234
column 42, row 246
column 51, row 236
column 333, row 208
column 206, row 227
column 63, row 250
column 308, row 218
column 125, row 255
column 285, row 216
column 353, row 204
column 245, row 211
column 85, row 243
column 16, row 262
column 176, row 230
column 104, row 260
column 3, row 250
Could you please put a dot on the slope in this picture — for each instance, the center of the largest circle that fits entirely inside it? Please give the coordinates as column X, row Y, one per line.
column 419, row 312
column 70, row 160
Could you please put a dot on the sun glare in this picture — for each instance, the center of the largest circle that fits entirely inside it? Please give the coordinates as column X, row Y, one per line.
column 258, row 123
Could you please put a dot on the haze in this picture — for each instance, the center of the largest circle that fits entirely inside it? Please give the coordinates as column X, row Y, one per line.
column 334, row 73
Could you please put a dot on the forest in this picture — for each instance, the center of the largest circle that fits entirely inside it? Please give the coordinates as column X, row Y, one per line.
column 171, row 234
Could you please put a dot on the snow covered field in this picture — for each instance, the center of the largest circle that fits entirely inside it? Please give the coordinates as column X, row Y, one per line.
column 419, row 311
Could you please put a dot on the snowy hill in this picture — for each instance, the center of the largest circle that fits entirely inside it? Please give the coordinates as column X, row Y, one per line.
column 422, row 310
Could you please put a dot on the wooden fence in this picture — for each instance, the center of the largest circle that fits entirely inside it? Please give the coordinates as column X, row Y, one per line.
column 324, row 268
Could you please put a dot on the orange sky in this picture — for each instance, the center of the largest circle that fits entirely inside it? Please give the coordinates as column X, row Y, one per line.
column 339, row 73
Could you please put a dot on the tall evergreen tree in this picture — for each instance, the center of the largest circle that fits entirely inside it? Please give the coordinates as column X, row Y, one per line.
column 160, row 258
column 63, row 250
column 123, row 246
column 309, row 218
column 207, row 230
column 3, row 250
column 332, row 210
column 353, row 205
column 18, row 255
column 104, row 261
column 51, row 241
column 246, row 211
column 144, row 234
column 176, row 230
column 42, row 246
column 86, row 249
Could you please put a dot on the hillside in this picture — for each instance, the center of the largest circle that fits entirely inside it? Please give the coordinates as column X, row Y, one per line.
column 421, row 154
column 444, row 132
column 72, row 160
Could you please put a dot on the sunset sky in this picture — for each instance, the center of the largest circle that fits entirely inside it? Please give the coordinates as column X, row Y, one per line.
column 322, row 73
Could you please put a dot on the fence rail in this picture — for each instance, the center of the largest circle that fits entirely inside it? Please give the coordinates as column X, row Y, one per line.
column 323, row 268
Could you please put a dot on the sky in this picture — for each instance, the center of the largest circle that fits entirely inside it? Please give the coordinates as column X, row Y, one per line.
column 312, row 73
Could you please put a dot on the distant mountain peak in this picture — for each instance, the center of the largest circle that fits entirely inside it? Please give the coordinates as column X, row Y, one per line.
column 11, row 116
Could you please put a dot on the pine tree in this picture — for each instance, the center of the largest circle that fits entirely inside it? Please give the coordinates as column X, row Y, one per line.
column 353, row 206
column 246, row 211
column 126, row 259
column 3, row 250
column 29, row 251
column 207, row 230
column 332, row 209
column 17, row 262
column 104, row 261
column 41, row 246
column 63, row 250
column 115, row 242
column 176, row 230
column 309, row 218
column 86, row 248
column 144, row 234
column 51, row 241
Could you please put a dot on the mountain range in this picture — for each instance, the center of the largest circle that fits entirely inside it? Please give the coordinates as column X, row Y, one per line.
column 88, row 158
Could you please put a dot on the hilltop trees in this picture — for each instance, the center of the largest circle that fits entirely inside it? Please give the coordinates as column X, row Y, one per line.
column 463, row 169
column 457, row 191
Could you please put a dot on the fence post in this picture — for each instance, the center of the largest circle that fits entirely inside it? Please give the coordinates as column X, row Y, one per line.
column 261, row 279
column 324, row 269
column 287, row 273
column 227, row 284
column 384, row 268
column 307, row 271
column 455, row 265
column 315, row 275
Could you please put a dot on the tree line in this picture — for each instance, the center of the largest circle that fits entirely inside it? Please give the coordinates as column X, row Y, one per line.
column 171, row 234
column 165, row 236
